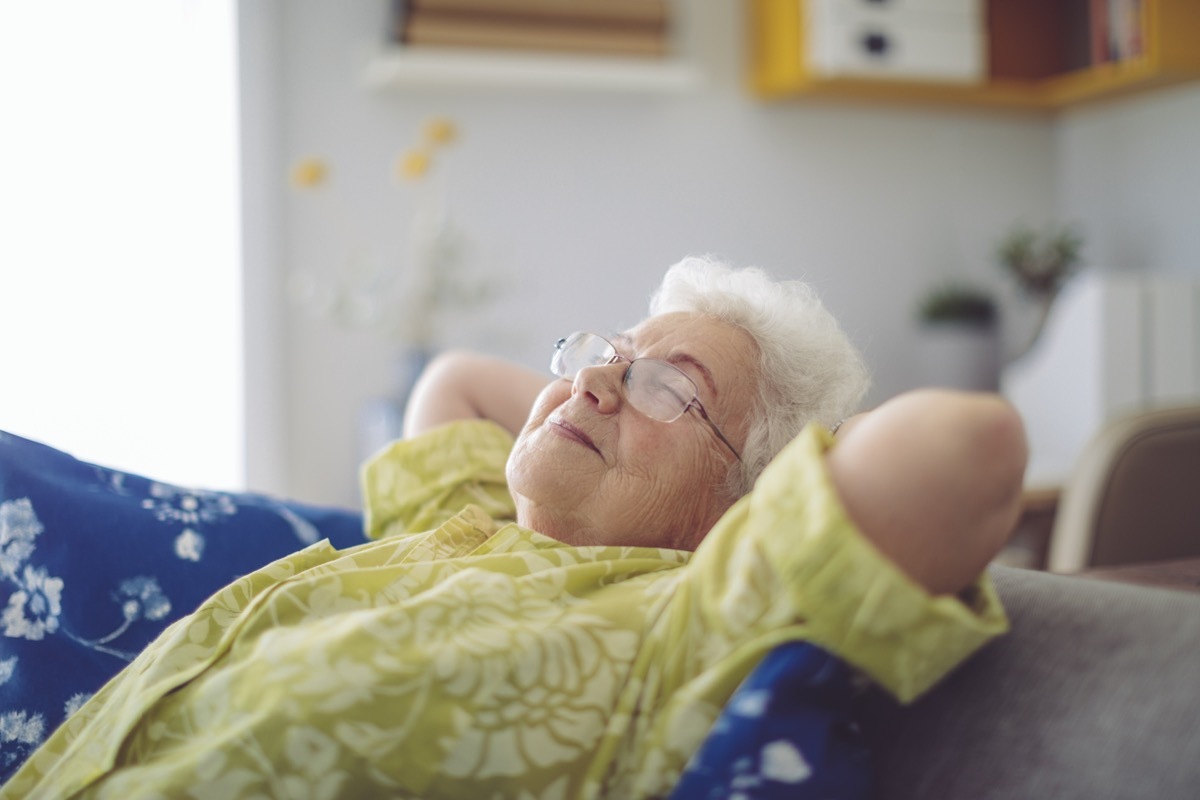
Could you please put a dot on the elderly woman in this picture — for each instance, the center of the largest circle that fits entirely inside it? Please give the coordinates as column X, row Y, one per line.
column 564, row 615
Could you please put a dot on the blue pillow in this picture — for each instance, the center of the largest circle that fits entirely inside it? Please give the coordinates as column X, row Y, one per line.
column 95, row 563
column 788, row 733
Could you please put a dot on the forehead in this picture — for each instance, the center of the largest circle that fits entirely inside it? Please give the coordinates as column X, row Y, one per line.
column 725, row 350
column 681, row 329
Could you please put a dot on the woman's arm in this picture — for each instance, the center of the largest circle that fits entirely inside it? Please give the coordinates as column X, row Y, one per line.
column 462, row 385
column 933, row 478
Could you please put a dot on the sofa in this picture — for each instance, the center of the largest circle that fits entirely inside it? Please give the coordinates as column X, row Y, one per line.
column 1094, row 693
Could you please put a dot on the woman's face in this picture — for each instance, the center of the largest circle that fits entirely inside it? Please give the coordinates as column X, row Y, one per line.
column 588, row 468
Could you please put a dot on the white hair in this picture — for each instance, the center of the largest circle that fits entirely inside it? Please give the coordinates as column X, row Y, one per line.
column 808, row 369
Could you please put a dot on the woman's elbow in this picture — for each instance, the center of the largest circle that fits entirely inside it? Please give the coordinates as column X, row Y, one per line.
column 1007, row 449
column 1003, row 452
column 934, row 479
column 441, row 393
column 984, row 477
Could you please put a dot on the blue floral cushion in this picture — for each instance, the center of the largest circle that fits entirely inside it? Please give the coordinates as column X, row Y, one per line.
column 95, row 563
column 786, row 734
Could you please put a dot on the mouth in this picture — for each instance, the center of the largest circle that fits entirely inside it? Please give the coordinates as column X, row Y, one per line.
column 566, row 429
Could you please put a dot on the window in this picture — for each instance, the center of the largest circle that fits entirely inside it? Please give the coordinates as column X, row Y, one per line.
column 120, row 285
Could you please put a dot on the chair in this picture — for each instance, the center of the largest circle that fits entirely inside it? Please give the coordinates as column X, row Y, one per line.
column 1134, row 495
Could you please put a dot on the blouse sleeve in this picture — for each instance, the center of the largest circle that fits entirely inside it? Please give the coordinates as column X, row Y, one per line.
column 787, row 558
column 416, row 484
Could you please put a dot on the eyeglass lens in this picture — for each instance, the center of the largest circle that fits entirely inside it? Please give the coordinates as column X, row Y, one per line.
column 658, row 390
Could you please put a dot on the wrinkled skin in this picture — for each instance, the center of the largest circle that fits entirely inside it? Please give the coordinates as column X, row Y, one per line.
column 588, row 468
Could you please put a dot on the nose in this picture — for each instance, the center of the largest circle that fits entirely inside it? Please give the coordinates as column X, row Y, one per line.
column 602, row 385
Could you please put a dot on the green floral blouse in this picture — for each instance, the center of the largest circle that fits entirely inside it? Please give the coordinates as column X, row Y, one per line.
column 460, row 655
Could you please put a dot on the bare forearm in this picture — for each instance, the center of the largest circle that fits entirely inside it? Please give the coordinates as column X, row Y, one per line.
column 934, row 479
column 464, row 385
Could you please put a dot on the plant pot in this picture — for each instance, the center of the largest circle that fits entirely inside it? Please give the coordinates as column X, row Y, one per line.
column 958, row 356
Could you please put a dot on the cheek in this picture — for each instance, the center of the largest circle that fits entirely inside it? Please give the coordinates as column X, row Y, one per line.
column 663, row 450
column 676, row 472
column 668, row 494
column 550, row 398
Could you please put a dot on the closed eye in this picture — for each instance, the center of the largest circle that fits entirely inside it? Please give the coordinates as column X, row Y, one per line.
column 687, row 360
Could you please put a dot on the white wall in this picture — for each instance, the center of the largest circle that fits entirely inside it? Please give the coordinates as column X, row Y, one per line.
column 1130, row 171
column 260, row 80
column 584, row 200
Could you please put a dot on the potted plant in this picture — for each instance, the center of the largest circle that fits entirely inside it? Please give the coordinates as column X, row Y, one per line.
column 958, row 337
column 954, row 303
column 1039, row 264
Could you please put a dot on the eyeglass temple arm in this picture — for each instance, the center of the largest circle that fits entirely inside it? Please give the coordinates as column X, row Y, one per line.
column 704, row 416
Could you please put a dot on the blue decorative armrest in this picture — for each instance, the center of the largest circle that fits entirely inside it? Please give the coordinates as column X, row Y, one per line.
column 95, row 563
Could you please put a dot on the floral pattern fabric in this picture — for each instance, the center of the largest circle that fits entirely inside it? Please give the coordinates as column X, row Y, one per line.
column 787, row 734
column 481, row 659
column 95, row 563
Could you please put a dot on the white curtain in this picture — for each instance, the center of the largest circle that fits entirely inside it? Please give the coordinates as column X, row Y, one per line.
column 120, row 299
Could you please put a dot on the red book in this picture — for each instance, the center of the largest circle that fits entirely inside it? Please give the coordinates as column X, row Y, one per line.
column 1099, row 25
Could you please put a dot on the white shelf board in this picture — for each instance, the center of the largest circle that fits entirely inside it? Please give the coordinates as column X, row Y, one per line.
column 453, row 67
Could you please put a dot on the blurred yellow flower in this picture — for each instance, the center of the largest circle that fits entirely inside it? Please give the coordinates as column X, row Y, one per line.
column 309, row 173
column 413, row 301
column 413, row 165
column 440, row 130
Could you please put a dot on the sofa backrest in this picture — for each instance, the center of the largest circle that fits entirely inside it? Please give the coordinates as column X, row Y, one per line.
column 1094, row 693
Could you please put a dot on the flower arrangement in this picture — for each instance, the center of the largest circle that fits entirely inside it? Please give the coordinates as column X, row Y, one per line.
column 408, row 304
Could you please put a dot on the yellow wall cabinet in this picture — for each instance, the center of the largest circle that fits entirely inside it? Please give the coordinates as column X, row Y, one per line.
column 1031, row 54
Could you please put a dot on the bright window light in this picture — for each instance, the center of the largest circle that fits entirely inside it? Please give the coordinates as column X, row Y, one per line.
column 120, row 298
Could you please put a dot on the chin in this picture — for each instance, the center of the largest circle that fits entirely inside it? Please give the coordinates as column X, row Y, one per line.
column 533, row 517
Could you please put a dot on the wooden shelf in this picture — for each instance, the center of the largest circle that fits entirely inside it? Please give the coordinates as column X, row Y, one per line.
column 1024, row 59
column 398, row 67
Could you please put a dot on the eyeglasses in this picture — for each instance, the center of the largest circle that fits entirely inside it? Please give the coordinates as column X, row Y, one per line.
column 657, row 389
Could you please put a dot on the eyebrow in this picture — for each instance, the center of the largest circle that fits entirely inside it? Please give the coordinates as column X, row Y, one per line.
column 699, row 365
column 625, row 341
column 622, row 339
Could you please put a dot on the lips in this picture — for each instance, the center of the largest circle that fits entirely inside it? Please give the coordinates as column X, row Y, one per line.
column 564, row 428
